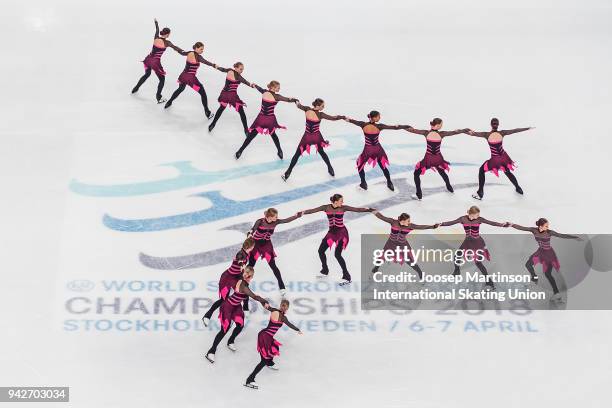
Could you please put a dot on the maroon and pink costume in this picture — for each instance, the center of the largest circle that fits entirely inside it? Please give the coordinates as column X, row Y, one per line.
column 231, row 308
column 398, row 238
column 153, row 60
column 373, row 152
column 337, row 233
column 473, row 241
column 433, row 158
column 262, row 234
column 229, row 93
column 500, row 160
column 233, row 274
column 312, row 135
column 545, row 254
column 265, row 123
column 188, row 76
column 267, row 346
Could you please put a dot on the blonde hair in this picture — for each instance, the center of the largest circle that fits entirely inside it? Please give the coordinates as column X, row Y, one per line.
column 248, row 270
column 473, row 210
column 271, row 212
column 272, row 84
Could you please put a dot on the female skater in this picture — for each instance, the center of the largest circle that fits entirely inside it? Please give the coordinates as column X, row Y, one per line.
column 188, row 76
column 312, row 136
column 433, row 157
column 545, row 254
column 499, row 161
column 473, row 241
column 373, row 152
column 229, row 95
column 400, row 228
column 265, row 123
column 152, row 62
column 230, row 277
column 337, row 234
column 231, row 311
column 266, row 345
column 262, row 232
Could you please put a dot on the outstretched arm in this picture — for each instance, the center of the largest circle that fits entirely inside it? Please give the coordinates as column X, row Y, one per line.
column 314, row 210
column 330, row 117
column 355, row 122
column 174, row 47
column 205, row 61
column 291, row 325
column 511, row 131
column 448, row 223
column 357, row 209
column 521, row 228
column 259, row 88
column 244, row 288
column 289, row 219
column 392, row 127
column 240, row 78
column 383, row 218
column 282, row 98
column 156, row 28
column 423, row 227
column 559, row 235
column 302, row 107
column 453, row 132
column 254, row 227
column 494, row 223
column 417, row 131
column 479, row 134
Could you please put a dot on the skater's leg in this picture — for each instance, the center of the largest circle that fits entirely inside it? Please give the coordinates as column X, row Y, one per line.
column 216, row 118
column 235, row 333
column 142, row 80
column 444, row 176
column 481, row 181
column 293, row 162
column 277, row 274
column 514, row 181
column 246, row 142
column 176, row 93
column 322, row 257
column 417, row 183
column 387, row 175
column 204, row 99
column 217, row 340
column 279, row 151
column 551, row 279
column 483, row 270
column 531, row 269
column 418, row 270
column 325, row 158
column 363, row 184
column 243, row 119
column 160, row 86
column 256, row 371
column 338, row 254
column 213, row 307
column 457, row 270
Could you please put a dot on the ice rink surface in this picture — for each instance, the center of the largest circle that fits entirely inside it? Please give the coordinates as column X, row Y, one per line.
column 80, row 150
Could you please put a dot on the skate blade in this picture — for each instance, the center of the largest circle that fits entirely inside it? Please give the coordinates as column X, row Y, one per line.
column 251, row 386
column 162, row 100
column 477, row 197
column 345, row 283
column 209, row 360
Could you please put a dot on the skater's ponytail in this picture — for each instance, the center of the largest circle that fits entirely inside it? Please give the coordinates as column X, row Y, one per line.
column 494, row 124
column 284, row 302
column 318, row 102
column 198, row 45
column 238, row 65
column 335, row 197
column 540, row 222
column 164, row 31
column 474, row 210
column 373, row 114
column 403, row 217
column 435, row 121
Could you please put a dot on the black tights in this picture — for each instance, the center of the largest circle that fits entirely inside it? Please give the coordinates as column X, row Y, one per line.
column 252, row 135
column 201, row 91
column 298, row 154
column 338, row 254
column 384, row 170
column 160, row 85
column 481, row 180
column 220, row 336
column 417, row 181
column 264, row 362
column 275, row 270
column 479, row 265
column 240, row 112
column 547, row 272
